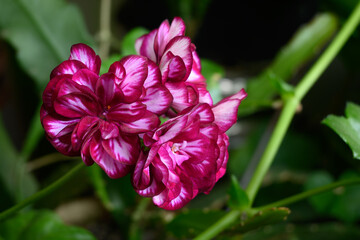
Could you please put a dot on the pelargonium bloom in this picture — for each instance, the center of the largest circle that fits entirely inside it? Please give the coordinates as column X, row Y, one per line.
column 179, row 64
column 188, row 154
column 96, row 117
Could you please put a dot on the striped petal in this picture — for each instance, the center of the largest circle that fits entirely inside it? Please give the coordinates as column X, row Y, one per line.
column 87, row 56
column 112, row 167
column 68, row 67
column 226, row 110
column 136, row 73
column 124, row 148
column 157, row 99
column 149, row 121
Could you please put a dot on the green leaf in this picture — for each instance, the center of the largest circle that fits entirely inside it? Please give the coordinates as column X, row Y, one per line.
column 267, row 217
column 348, row 128
column 39, row 225
column 105, row 65
column 18, row 183
column 238, row 197
column 321, row 202
column 304, row 46
column 346, row 204
column 128, row 44
column 193, row 222
column 42, row 33
column 212, row 72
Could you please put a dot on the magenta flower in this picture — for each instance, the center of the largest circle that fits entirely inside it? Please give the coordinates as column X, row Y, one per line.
column 100, row 118
column 179, row 64
column 188, row 154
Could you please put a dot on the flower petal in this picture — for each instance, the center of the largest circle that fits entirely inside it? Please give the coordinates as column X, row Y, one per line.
column 87, row 56
column 124, row 112
column 83, row 129
column 157, row 99
column 87, row 78
column 118, row 69
column 68, row 67
column 145, row 45
column 113, row 168
column 154, row 75
column 136, row 72
column 106, row 88
column 226, row 110
column 124, row 149
column 76, row 105
column 55, row 127
column 178, row 46
column 147, row 122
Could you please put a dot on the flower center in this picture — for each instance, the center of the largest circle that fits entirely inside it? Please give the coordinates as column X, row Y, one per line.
column 104, row 113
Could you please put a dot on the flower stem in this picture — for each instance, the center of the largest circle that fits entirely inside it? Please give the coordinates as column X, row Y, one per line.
column 219, row 226
column 136, row 217
column 44, row 192
column 292, row 102
column 105, row 31
column 312, row 192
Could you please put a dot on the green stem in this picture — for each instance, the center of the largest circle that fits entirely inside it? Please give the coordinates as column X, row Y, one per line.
column 289, row 109
column 136, row 217
column 105, row 31
column 219, row 226
column 312, row 192
column 33, row 136
column 44, row 192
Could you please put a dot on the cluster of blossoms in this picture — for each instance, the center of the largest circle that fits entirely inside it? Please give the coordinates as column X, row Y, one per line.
column 113, row 119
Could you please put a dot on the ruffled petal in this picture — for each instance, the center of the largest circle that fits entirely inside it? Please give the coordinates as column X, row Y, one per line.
column 112, row 167
column 145, row 45
column 136, row 72
column 106, row 88
column 55, row 127
column 87, row 56
column 157, row 99
column 86, row 78
column 149, row 121
column 154, row 75
column 124, row 149
column 108, row 130
column 68, row 67
column 82, row 130
column 128, row 113
column 226, row 110
column 178, row 46
column 76, row 105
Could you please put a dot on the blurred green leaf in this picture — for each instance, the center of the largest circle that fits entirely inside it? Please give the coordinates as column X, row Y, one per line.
column 262, row 218
column 39, row 225
column 305, row 45
column 321, row 202
column 105, row 65
column 346, row 204
column 18, row 183
column 212, row 72
column 238, row 197
column 348, row 128
column 128, row 43
column 193, row 222
column 42, row 33
column 117, row 195
column 313, row 231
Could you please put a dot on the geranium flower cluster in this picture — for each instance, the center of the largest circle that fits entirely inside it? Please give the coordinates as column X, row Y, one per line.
column 114, row 119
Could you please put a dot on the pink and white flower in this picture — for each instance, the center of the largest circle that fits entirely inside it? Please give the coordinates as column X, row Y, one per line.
column 188, row 154
column 100, row 118
column 179, row 64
